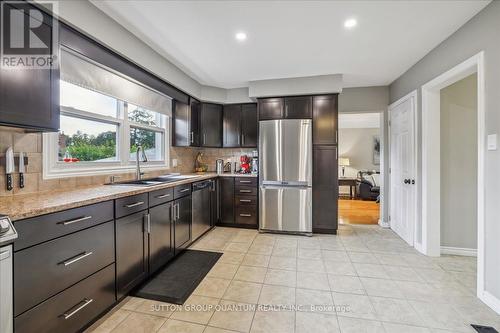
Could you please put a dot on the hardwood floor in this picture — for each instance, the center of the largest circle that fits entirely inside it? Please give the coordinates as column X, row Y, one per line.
column 358, row 212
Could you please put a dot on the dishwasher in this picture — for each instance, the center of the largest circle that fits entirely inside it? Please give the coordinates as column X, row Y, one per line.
column 202, row 207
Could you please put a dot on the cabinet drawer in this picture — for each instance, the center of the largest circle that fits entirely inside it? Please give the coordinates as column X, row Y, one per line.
column 182, row 190
column 130, row 205
column 39, row 229
column 246, row 190
column 246, row 215
column 44, row 270
column 161, row 196
column 243, row 200
column 245, row 181
column 72, row 309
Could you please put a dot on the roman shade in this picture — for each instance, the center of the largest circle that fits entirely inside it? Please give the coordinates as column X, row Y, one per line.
column 81, row 71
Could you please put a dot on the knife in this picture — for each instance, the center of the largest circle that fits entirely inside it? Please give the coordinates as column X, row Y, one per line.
column 21, row 170
column 9, row 167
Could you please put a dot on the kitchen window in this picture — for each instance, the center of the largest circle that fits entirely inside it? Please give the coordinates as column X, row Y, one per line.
column 104, row 118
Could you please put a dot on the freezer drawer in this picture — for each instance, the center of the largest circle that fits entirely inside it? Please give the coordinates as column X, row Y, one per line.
column 286, row 209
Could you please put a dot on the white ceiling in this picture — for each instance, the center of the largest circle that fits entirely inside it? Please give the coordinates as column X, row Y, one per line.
column 292, row 38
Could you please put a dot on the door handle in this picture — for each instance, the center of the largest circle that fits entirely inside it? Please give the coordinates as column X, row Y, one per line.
column 80, row 219
column 76, row 258
column 134, row 204
column 178, row 212
column 68, row 314
column 242, row 139
column 148, row 223
column 192, row 137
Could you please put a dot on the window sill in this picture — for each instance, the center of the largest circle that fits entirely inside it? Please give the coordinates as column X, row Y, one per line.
column 99, row 171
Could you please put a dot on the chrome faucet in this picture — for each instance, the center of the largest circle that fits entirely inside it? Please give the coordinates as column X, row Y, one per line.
column 138, row 173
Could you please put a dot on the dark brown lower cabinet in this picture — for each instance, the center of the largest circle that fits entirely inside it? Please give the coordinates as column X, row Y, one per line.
column 131, row 252
column 182, row 223
column 160, row 241
column 72, row 309
column 226, row 187
column 325, row 189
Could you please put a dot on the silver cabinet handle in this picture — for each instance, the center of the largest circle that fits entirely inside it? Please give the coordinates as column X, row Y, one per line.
column 192, row 137
column 80, row 219
column 242, row 139
column 178, row 212
column 245, row 200
column 68, row 314
column 76, row 258
column 134, row 204
column 245, row 181
column 148, row 223
column 162, row 196
column 245, row 191
column 184, row 190
column 246, row 215
column 172, row 213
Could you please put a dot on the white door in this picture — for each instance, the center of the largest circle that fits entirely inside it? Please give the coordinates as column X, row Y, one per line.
column 403, row 187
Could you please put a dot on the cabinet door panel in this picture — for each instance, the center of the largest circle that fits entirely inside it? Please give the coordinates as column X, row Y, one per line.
column 131, row 249
column 270, row 108
column 160, row 247
column 195, row 131
column 298, row 107
column 182, row 224
column 325, row 188
column 249, row 125
column 180, row 123
column 30, row 97
column 325, row 120
column 211, row 125
column 231, row 125
column 226, row 199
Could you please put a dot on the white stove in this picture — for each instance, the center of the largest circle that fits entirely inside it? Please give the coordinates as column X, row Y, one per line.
column 7, row 235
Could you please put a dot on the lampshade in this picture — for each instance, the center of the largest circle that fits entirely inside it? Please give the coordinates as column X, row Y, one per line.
column 344, row 161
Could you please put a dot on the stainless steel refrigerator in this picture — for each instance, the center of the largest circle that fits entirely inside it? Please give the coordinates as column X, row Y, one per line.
column 285, row 173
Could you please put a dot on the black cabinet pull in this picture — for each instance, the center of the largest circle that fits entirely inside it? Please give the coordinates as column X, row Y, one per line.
column 80, row 219
column 71, row 312
column 134, row 204
column 76, row 258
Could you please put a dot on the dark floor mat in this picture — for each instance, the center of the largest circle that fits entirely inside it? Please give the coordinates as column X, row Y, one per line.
column 176, row 281
column 484, row 329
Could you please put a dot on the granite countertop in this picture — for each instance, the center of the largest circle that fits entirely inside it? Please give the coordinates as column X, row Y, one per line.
column 229, row 174
column 30, row 205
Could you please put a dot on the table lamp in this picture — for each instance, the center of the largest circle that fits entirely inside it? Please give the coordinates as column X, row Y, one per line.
column 343, row 162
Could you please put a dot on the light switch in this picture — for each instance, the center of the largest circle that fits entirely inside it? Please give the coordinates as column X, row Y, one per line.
column 492, row 142
column 174, row 162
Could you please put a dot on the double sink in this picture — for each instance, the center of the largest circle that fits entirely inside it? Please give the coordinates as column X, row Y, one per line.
column 155, row 181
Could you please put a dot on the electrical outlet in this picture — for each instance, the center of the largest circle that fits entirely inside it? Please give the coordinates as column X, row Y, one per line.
column 492, row 142
column 174, row 162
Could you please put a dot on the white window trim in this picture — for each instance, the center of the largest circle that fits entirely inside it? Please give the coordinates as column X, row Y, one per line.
column 54, row 170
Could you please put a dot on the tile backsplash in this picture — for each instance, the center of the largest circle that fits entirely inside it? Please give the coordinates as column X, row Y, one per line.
column 31, row 144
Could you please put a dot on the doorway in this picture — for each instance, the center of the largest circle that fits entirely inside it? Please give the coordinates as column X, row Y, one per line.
column 432, row 204
column 360, row 159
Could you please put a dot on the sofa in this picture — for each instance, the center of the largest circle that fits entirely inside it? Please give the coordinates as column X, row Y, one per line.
column 368, row 185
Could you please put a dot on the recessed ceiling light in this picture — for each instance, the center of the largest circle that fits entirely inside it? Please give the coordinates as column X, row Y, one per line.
column 350, row 23
column 240, row 36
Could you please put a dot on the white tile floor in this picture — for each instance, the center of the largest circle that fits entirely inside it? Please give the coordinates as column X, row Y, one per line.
column 366, row 279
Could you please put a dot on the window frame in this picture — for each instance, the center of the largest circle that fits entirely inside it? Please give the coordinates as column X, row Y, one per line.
column 54, row 169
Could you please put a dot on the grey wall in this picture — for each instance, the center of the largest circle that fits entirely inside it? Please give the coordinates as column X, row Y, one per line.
column 459, row 164
column 481, row 33
column 357, row 145
column 308, row 85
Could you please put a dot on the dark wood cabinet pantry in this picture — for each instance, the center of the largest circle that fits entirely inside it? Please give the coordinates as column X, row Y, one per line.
column 240, row 125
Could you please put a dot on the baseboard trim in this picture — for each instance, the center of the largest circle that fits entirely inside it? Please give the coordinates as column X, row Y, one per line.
column 491, row 301
column 458, row 251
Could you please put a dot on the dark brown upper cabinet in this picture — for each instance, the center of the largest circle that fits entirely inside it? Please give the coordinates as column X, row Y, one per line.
column 211, row 125
column 240, row 125
column 231, row 125
column 298, row 107
column 271, row 108
column 325, row 120
column 29, row 98
column 186, row 123
column 249, row 125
